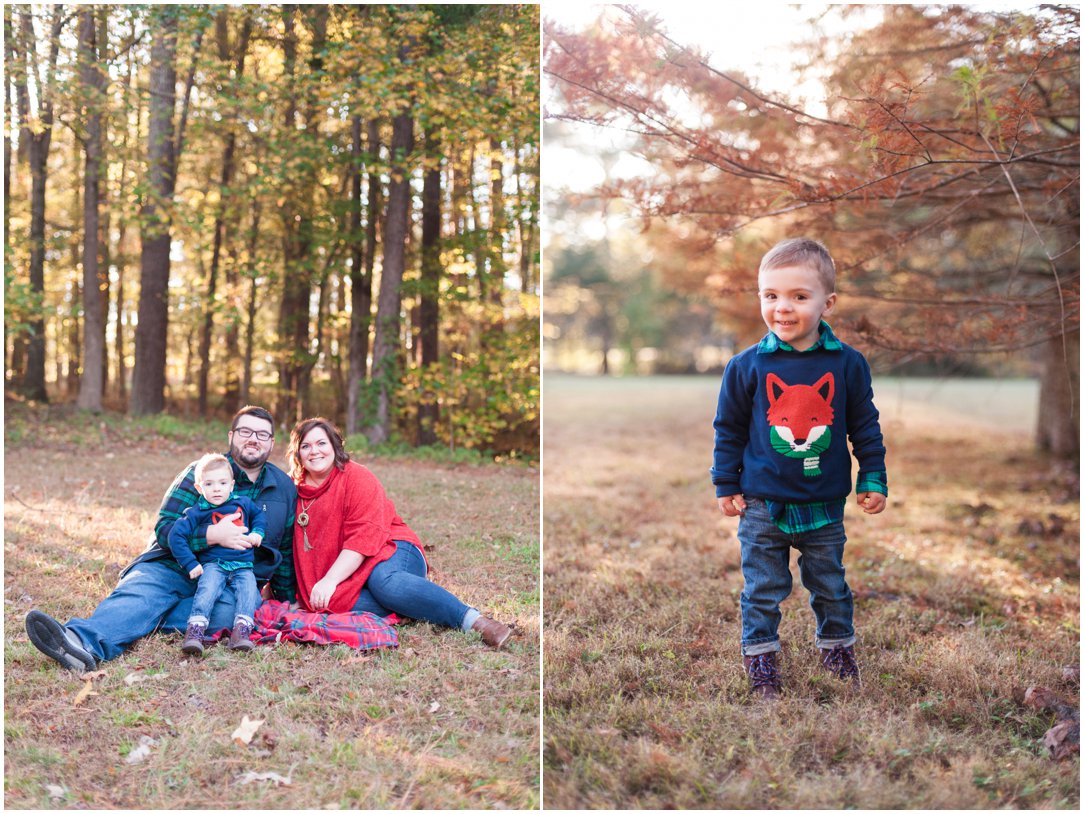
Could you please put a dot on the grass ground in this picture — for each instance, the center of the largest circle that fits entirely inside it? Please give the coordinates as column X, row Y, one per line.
column 441, row 722
column 966, row 590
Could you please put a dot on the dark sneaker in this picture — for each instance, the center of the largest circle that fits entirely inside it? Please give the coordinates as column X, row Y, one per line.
column 58, row 643
column 764, row 675
column 193, row 639
column 493, row 633
column 840, row 662
column 241, row 636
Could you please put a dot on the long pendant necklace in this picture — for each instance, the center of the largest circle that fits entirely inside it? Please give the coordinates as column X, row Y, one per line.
column 303, row 521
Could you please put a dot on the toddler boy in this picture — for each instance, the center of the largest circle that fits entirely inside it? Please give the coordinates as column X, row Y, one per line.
column 779, row 465
column 217, row 566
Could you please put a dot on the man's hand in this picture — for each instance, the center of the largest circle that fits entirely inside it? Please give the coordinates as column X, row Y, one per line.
column 732, row 505
column 321, row 593
column 872, row 502
column 196, row 572
column 228, row 534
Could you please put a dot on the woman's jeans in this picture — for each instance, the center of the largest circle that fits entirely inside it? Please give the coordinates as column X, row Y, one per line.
column 765, row 564
column 242, row 581
column 399, row 585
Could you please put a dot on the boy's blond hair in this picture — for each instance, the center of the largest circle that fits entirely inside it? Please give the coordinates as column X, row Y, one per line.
column 212, row 460
column 802, row 251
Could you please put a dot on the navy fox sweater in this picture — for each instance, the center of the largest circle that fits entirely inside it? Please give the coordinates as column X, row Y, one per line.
column 782, row 422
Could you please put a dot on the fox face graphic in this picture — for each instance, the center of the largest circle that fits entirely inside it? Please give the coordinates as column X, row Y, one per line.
column 800, row 416
column 240, row 520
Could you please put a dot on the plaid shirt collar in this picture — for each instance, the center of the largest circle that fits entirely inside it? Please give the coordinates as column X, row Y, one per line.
column 243, row 485
column 827, row 340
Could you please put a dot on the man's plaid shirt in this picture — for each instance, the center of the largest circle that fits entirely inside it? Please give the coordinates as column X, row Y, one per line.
column 182, row 494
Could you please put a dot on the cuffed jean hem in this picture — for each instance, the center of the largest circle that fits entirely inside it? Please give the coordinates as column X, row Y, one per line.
column 828, row 644
column 198, row 620
column 757, row 648
column 469, row 618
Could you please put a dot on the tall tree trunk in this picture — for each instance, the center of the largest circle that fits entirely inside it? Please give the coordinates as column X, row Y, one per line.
column 396, row 229
column 1059, row 396
column 250, row 324
column 149, row 376
column 429, row 298
column 38, row 142
column 361, row 286
column 226, row 177
column 91, row 385
column 165, row 143
column 298, row 226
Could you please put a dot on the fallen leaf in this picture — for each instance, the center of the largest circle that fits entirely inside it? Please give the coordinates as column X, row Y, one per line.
column 434, row 706
column 1063, row 739
column 84, row 694
column 257, row 777
column 55, row 792
column 139, row 754
column 242, row 736
column 134, row 678
column 94, row 675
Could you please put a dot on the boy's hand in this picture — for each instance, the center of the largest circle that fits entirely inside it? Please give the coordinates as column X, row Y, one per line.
column 732, row 505
column 872, row 502
column 196, row 572
column 253, row 539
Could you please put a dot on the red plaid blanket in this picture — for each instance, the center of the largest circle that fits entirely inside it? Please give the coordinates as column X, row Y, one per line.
column 275, row 622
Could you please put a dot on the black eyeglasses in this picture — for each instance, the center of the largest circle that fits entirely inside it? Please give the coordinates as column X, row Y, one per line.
column 246, row 432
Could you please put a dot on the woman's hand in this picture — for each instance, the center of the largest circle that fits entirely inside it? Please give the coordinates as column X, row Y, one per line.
column 322, row 592
column 228, row 534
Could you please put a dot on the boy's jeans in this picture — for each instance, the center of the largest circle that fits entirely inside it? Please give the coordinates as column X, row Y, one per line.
column 150, row 596
column 399, row 585
column 242, row 581
column 765, row 564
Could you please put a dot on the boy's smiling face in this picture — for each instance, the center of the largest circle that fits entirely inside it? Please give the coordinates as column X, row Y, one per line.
column 793, row 300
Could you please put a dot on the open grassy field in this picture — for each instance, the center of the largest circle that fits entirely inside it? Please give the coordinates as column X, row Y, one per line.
column 441, row 722
column 966, row 591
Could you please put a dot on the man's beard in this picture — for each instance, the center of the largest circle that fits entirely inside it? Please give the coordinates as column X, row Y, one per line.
column 249, row 457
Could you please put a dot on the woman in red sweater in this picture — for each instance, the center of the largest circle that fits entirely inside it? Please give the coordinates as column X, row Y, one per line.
column 352, row 552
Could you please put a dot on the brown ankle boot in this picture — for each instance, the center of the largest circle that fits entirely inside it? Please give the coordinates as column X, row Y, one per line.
column 763, row 675
column 840, row 662
column 493, row 633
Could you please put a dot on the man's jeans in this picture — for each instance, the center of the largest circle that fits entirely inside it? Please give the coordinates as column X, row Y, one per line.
column 399, row 585
column 765, row 564
column 242, row 581
column 149, row 597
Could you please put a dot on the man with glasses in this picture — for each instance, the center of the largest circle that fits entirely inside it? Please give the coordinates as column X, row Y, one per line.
column 154, row 590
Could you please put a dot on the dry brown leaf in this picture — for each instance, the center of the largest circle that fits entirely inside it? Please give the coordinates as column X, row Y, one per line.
column 242, row 736
column 134, row 678
column 1063, row 740
column 84, row 694
column 93, row 675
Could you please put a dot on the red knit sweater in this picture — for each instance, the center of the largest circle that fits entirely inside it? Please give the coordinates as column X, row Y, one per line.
column 348, row 510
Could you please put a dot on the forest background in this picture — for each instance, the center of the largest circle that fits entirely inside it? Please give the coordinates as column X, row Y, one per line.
column 325, row 209
column 934, row 149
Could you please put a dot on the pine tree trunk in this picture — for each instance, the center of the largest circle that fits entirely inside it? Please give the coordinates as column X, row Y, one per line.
column 386, row 339
column 91, row 385
column 362, row 250
column 429, row 298
column 149, row 376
